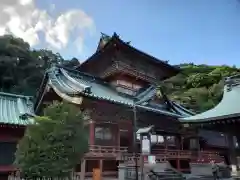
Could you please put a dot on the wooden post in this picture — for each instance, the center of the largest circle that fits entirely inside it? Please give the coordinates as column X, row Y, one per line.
column 91, row 132
column 182, row 140
column 83, row 169
column 165, row 142
column 101, row 166
column 119, row 137
column 165, row 147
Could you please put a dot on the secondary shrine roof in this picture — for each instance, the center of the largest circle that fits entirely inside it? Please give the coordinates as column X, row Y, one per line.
column 15, row 109
column 71, row 85
column 227, row 108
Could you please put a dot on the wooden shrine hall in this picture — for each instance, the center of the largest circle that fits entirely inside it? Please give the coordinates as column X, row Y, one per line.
column 111, row 83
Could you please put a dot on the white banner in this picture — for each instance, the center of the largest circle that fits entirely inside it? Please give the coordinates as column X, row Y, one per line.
column 146, row 145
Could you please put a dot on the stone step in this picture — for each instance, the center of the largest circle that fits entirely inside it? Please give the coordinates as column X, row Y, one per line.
column 168, row 174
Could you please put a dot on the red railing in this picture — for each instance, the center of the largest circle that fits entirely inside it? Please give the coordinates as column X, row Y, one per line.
column 108, row 151
column 161, row 155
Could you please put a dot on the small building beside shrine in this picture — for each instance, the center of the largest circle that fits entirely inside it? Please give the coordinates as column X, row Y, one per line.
column 224, row 118
column 15, row 113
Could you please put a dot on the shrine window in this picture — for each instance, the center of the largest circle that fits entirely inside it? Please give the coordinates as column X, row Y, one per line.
column 7, row 152
column 157, row 139
column 103, row 133
column 160, row 139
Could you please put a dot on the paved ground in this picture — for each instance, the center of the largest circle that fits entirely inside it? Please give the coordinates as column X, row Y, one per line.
column 205, row 178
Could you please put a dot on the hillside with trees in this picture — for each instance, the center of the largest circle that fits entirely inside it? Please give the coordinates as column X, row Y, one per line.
column 22, row 68
column 198, row 87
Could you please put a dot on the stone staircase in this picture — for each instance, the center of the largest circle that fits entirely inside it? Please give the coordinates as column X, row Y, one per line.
column 167, row 174
column 163, row 171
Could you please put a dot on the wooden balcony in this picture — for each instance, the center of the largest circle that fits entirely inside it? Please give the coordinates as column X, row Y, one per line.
column 105, row 151
column 162, row 155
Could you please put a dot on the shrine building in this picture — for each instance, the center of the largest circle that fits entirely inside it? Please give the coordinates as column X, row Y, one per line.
column 112, row 82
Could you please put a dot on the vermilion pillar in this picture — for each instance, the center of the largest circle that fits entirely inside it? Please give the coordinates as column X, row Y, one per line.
column 91, row 132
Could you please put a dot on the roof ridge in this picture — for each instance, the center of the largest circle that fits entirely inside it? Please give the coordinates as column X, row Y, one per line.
column 154, row 58
column 14, row 95
column 85, row 74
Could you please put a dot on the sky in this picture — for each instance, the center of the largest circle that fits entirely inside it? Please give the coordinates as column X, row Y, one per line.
column 181, row 31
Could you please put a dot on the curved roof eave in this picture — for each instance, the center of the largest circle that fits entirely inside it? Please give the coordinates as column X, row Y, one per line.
column 227, row 107
column 69, row 86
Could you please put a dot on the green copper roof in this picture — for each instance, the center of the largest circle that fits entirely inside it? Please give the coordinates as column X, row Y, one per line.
column 15, row 109
column 227, row 108
column 74, row 84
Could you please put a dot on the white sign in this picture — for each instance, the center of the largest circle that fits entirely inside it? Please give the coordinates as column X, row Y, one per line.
column 145, row 145
column 152, row 159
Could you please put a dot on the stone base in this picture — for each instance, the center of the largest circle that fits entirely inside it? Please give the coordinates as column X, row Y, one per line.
column 205, row 169
column 201, row 169
column 158, row 167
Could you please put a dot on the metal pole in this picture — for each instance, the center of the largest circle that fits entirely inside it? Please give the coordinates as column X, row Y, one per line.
column 135, row 148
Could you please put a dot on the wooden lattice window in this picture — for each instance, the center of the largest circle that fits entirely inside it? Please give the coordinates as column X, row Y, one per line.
column 103, row 133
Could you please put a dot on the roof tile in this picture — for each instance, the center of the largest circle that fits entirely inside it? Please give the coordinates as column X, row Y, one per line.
column 14, row 108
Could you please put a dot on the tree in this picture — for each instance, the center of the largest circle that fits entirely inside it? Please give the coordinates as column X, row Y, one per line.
column 73, row 63
column 54, row 144
column 21, row 68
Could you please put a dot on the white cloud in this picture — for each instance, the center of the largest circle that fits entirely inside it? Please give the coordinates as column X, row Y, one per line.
column 23, row 19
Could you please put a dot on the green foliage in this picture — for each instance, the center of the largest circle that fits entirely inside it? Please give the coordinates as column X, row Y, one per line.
column 54, row 144
column 21, row 68
column 198, row 87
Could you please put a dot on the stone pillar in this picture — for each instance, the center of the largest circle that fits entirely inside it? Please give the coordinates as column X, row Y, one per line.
column 83, row 169
column 91, row 133
column 121, row 171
